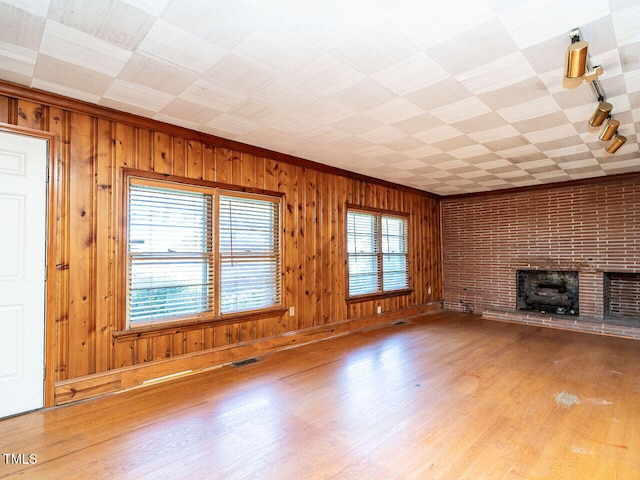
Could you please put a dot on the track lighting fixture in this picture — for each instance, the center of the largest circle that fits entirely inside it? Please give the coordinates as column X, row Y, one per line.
column 576, row 69
column 576, row 60
column 601, row 113
column 576, row 65
column 609, row 130
column 618, row 141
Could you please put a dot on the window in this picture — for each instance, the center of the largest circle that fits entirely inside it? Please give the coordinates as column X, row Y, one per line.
column 377, row 253
column 199, row 252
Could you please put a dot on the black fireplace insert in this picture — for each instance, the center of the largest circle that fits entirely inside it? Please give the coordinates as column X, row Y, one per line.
column 548, row 291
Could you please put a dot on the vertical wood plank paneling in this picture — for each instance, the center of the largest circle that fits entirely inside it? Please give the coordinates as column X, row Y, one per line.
column 210, row 165
column 194, row 160
column 124, row 353
column 162, row 153
column 82, row 244
column 60, row 124
column 179, row 156
column 104, row 208
column 29, row 114
column 90, row 260
column 288, row 184
column 143, row 153
column 4, row 109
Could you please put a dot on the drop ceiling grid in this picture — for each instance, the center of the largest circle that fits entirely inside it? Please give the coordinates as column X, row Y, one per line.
column 448, row 97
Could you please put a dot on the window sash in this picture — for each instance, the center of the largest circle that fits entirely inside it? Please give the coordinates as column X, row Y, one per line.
column 249, row 253
column 377, row 251
column 180, row 243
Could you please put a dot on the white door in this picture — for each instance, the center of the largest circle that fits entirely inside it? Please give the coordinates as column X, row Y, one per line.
column 23, row 164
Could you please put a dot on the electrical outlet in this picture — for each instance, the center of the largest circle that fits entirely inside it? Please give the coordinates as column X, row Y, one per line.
column 379, row 309
column 292, row 311
column 429, row 290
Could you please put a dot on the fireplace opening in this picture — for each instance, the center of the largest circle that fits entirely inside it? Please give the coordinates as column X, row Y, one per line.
column 622, row 298
column 548, row 291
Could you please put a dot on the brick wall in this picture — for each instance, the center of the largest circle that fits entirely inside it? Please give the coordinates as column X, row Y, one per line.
column 592, row 228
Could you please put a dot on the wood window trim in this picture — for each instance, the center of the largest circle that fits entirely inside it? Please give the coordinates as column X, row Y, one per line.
column 188, row 323
column 377, row 295
column 172, row 327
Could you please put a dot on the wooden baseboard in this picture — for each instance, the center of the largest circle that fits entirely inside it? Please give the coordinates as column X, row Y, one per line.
column 112, row 381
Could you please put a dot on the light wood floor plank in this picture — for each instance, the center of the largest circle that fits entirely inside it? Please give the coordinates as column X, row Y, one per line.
column 447, row 396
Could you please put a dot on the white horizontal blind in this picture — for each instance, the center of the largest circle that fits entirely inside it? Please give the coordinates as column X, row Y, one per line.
column 249, row 244
column 170, row 249
column 395, row 265
column 362, row 249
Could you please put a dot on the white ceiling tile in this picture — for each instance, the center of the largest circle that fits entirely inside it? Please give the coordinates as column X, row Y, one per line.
column 494, row 134
column 113, row 21
column 229, row 124
column 35, row 7
column 277, row 47
column 324, row 75
column 451, row 164
column 180, row 121
column 632, row 80
column 544, row 162
column 152, row 7
column 535, row 21
column 493, row 164
column 137, row 95
column 64, row 90
column 525, row 111
column 519, row 152
column 431, row 23
column 568, row 150
column 180, row 47
column 423, row 151
column 469, row 152
column 375, row 48
column 373, row 151
column 282, row 92
column 462, row 110
column 587, row 162
column 555, row 133
column 417, row 71
column 324, row 135
column 74, row 46
column 212, row 96
column 498, row 74
column 626, row 23
column 394, row 111
column 382, row 134
column 18, row 59
column 240, row 76
column 438, row 134
column 327, row 111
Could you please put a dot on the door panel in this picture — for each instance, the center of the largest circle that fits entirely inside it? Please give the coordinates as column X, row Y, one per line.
column 23, row 162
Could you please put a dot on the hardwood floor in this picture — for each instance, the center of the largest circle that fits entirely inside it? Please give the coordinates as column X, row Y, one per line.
column 447, row 396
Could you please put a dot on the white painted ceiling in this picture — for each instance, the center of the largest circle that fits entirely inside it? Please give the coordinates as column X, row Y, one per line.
column 445, row 96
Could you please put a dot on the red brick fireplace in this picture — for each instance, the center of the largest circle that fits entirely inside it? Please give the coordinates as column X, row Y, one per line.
column 592, row 228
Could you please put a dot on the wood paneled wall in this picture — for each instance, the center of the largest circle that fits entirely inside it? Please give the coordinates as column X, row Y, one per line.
column 94, row 146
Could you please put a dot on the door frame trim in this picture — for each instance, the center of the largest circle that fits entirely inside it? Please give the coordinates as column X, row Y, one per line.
column 50, row 253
